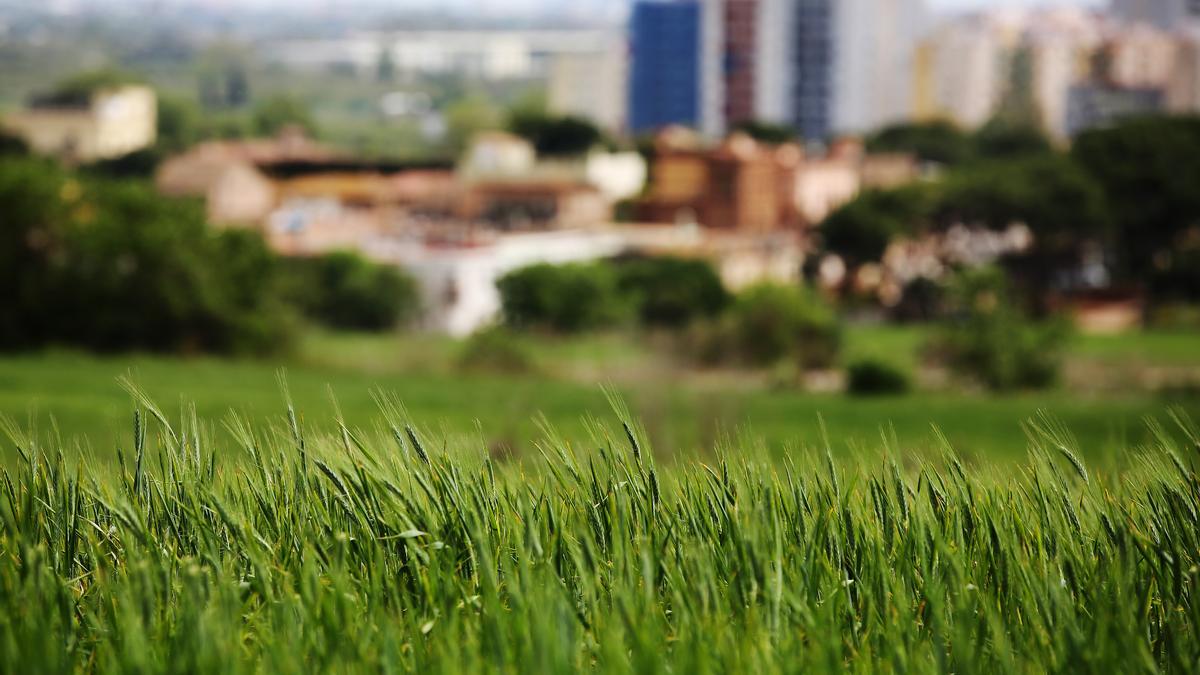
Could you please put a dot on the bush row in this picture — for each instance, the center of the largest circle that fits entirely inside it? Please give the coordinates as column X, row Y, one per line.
column 111, row 265
column 759, row 327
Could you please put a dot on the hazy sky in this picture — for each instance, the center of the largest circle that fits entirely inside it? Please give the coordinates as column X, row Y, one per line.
column 558, row 4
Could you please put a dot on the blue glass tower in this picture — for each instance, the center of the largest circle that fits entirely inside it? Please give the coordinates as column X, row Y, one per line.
column 664, row 78
column 812, row 66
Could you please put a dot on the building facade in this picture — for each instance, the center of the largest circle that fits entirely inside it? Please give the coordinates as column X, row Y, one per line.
column 109, row 123
column 1165, row 14
column 664, row 78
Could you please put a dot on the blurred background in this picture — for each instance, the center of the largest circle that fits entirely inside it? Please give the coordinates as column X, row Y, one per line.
column 740, row 214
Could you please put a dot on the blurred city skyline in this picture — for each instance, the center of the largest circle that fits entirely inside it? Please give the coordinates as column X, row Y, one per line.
column 580, row 9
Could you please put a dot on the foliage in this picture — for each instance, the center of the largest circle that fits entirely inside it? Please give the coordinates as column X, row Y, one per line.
column 112, row 266
column 12, row 145
column 344, row 290
column 869, row 377
column 1059, row 202
column 561, row 298
column 938, row 141
column 771, row 322
column 991, row 340
column 671, row 292
column 496, row 350
column 466, row 117
column 860, row 230
column 1001, row 140
column 259, row 551
column 78, row 89
column 136, row 164
column 277, row 113
column 554, row 135
column 1149, row 169
column 767, row 132
column 179, row 125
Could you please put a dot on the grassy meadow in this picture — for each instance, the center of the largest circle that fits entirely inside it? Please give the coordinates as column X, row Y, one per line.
column 367, row 505
column 400, row 551
column 77, row 396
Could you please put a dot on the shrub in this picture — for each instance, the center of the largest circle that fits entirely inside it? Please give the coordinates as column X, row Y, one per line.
column 671, row 292
column 993, row 341
column 561, row 298
column 870, row 377
column 344, row 290
column 497, row 350
column 556, row 136
column 770, row 322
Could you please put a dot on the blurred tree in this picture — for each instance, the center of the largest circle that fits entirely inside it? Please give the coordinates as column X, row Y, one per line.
column 344, row 290
column 672, row 291
column 990, row 339
column 768, row 132
column 136, row 164
column 12, row 145
column 237, row 85
column 78, row 89
column 1060, row 203
column 938, row 141
column 178, row 123
column 556, row 136
column 861, row 230
column 1018, row 107
column 466, row 117
column 561, row 298
column 1001, row 140
column 35, row 197
column 278, row 112
column 772, row 322
column 111, row 265
column 1150, row 169
column 385, row 68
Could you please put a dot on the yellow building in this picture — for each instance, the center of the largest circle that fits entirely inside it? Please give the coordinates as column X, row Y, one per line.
column 111, row 123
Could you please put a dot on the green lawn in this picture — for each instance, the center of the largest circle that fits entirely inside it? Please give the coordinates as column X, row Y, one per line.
column 684, row 413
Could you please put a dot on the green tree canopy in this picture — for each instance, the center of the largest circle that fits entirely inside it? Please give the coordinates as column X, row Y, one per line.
column 1060, row 202
column 344, row 290
column 670, row 291
column 861, row 230
column 111, row 265
column 272, row 115
column 561, row 298
column 556, row 135
column 1149, row 168
column 768, row 132
column 937, row 141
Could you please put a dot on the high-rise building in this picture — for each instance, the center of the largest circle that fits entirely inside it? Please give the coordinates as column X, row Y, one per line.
column 1166, row 14
column 822, row 66
column 665, row 64
column 853, row 63
column 590, row 83
column 975, row 64
column 813, row 58
column 741, row 59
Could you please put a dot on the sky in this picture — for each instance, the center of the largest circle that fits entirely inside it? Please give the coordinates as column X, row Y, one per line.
column 559, row 4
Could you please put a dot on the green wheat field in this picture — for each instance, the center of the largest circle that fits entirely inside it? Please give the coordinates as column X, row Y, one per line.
column 273, row 547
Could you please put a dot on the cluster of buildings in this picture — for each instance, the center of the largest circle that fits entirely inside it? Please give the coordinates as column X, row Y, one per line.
column 87, row 126
column 458, row 227
column 688, row 74
column 833, row 67
column 823, row 67
column 1081, row 68
column 583, row 70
